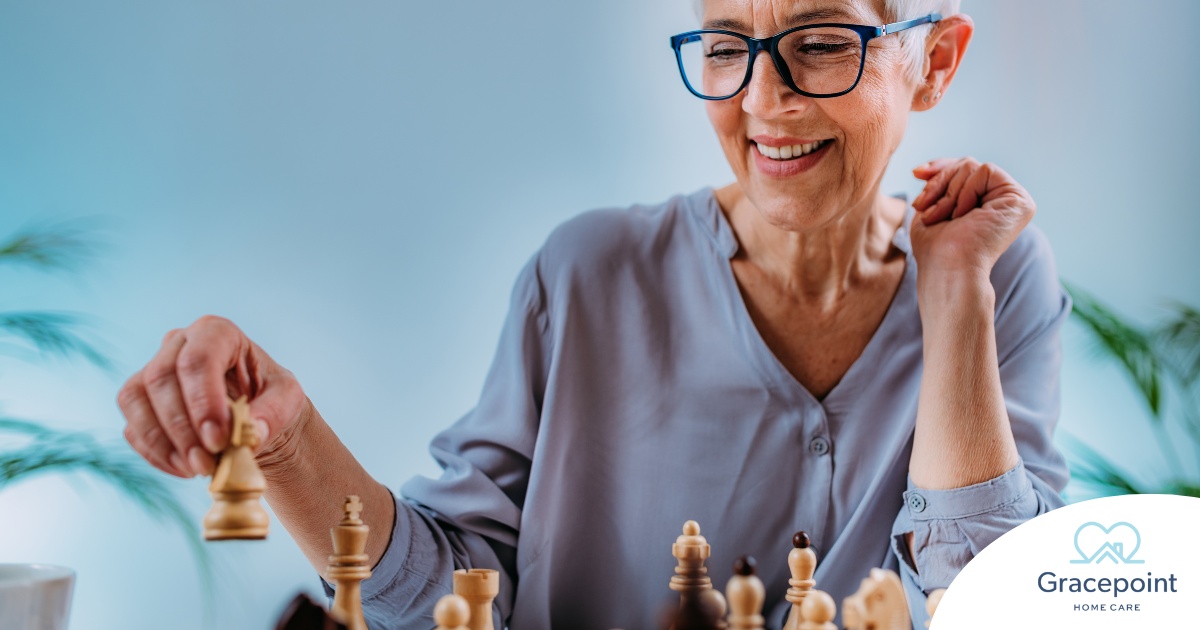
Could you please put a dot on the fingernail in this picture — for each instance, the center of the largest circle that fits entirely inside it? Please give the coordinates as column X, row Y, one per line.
column 177, row 464
column 211, row 436
column 264, row 430
column 200, row 460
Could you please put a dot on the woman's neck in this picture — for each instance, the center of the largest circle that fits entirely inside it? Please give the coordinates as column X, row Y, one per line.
column 822, row 264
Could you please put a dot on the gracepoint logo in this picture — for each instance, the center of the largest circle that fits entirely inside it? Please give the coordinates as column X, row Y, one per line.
column 1118, row 543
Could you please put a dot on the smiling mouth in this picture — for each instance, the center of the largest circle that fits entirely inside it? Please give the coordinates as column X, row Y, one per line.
column 791, row 152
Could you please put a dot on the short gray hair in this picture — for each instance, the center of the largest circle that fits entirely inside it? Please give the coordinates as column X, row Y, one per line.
column 912, row 41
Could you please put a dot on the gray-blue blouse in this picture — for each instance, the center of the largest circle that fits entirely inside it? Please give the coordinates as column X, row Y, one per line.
column 631, row 392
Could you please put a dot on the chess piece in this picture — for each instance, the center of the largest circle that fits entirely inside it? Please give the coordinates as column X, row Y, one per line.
column 817, row 611
column 803, row 562
column 931, row 604
column 691, row 550
column 302, row 613
column 745, row 594
column 348, row 566
column 691, row 581
column 879, row 604
column 703, row 611
column 478, row 587
column 452, row 612
column 237, row 484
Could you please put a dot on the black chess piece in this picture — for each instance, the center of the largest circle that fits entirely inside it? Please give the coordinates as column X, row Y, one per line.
column 305, row 614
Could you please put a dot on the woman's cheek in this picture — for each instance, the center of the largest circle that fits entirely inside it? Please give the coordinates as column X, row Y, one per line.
column 725, row 117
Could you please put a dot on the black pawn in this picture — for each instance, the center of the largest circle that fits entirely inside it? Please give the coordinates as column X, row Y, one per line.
column 305, row 614
column 745, row 566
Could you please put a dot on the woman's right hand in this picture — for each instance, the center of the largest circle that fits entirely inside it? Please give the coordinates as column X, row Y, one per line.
column 176, row 407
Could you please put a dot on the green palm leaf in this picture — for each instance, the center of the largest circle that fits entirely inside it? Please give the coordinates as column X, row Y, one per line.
column 51, row 334
column 52, row 247
column 1131, row 346
column 1179, row 340
column 1092, row 469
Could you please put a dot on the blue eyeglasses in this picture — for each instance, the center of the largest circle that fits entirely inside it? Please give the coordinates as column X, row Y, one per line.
column 816, row 60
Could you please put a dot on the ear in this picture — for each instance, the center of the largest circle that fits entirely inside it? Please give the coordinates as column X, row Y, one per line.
column 944, row 50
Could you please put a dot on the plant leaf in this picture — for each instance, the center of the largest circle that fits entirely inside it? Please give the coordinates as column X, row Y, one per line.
column 1179, row 341
column 52, row 247
column 1126, row 343
column 24, row 427
column 1093, row 469
column 50, row 333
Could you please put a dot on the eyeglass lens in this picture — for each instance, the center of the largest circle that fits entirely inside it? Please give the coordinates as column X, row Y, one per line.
column 822, row 61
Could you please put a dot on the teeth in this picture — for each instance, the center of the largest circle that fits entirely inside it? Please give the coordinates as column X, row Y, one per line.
column 788, row 152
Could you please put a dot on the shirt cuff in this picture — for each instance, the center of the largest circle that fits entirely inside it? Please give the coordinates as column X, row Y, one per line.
column 950, row 526
column 988, row 496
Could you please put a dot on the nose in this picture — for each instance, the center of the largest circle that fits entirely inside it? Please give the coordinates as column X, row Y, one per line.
column 767, row 96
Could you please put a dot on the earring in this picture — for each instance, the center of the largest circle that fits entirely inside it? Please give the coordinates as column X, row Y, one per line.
column 938, row 95
column 925, row 98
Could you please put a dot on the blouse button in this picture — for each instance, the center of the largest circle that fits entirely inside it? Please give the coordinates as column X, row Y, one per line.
column 916, row 502
column 819, row 446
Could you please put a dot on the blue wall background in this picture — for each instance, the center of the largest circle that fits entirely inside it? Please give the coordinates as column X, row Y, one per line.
column 356, row 185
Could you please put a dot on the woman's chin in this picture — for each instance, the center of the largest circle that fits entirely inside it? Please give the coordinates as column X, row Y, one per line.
column 794, row 213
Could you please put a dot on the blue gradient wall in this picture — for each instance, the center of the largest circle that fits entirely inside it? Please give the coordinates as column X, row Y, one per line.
column 356, row 185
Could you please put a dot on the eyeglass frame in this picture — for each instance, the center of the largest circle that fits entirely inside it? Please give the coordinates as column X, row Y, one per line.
column 770, row 45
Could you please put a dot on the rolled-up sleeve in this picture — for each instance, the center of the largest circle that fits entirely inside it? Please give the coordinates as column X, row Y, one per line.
column 949, row 527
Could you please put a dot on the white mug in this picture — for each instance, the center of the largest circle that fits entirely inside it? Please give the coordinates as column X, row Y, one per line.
column 35, row 596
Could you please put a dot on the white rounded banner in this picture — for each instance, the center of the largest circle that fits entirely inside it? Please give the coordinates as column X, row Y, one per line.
column 1118, row 562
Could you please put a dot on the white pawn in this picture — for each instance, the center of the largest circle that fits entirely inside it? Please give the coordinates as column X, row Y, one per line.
column 803, row 563
column 745, row 595
column 818, row 611
column 451, row 613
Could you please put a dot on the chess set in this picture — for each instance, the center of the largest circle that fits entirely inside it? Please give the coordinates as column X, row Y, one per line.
column 237, row 514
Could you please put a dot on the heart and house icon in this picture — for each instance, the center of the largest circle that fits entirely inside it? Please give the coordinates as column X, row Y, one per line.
column 1118, row 542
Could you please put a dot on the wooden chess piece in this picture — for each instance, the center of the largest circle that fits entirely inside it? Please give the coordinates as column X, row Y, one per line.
column 818, row 611
column 348, row 565
column 931, row 604
column 745, row 594
column 479, row 588
column 802, row 561
column 704, row 611
column 879, row 604
column 237, row 484
column 452, row 612
column 691, row 580
column 302, row 613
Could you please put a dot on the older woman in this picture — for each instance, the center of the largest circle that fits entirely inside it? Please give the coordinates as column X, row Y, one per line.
column 793, row 351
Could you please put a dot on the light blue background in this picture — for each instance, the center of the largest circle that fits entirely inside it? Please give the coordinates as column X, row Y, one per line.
column 357, row 183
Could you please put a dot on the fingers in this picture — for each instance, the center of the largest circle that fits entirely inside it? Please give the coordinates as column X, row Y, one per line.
column 161, row 381
column 935, row 188
column 947, row 193
column 177, row 406
column 278, row 402
column 211, row 350
column 143, row 432
column 931, row 168
column 943, row 208
column 971, row 194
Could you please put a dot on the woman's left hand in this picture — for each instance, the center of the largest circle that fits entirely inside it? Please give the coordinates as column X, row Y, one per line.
column 968, row 214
